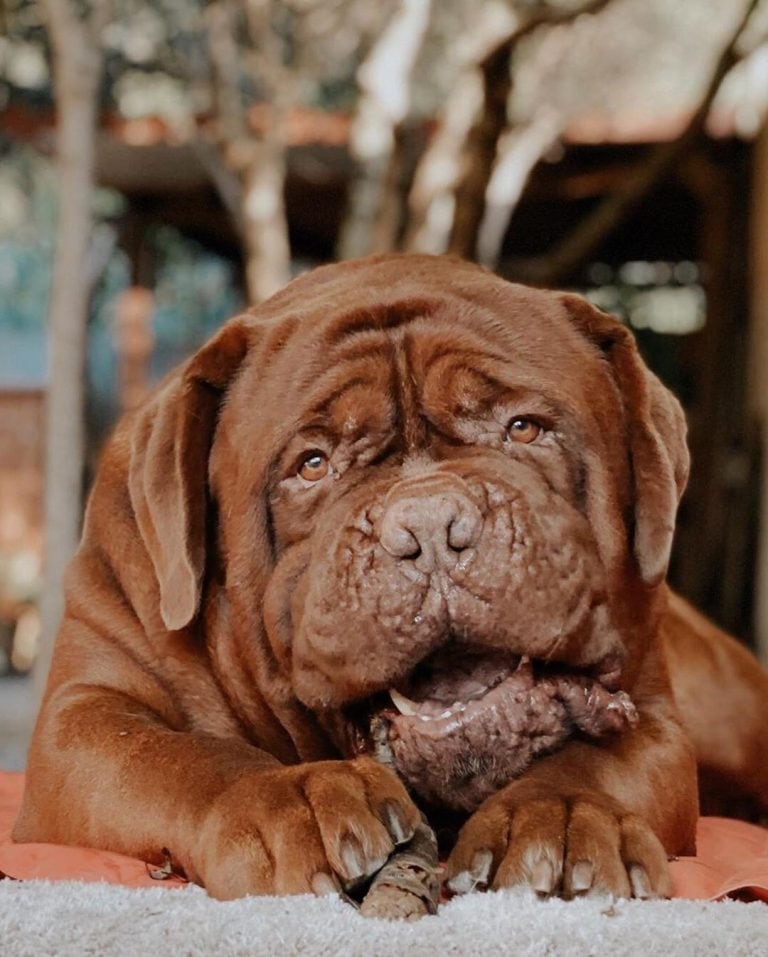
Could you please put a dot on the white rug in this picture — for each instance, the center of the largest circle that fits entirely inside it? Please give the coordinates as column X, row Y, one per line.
column 38, row 919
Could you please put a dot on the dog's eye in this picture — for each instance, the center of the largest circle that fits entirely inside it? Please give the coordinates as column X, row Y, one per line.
column 523, row 430
column 314, row 466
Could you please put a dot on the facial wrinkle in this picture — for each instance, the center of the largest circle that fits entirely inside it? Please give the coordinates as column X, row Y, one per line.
column 408, row 406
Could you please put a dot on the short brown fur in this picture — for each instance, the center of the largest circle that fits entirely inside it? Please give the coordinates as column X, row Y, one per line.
column 203, row 663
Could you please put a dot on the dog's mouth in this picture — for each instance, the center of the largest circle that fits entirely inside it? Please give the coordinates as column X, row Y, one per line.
column 465, row 723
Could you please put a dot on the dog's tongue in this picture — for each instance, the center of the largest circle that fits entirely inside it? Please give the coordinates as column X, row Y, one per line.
column 465, row 725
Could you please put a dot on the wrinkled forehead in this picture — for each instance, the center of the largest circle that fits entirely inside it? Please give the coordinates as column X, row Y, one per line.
column 380, row 365
column 362, row 357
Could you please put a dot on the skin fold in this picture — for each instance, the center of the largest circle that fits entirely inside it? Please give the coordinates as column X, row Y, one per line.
column 395, row 464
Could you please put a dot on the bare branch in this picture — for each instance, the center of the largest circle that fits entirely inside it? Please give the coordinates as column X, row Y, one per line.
column 481, row 146
column 432, row 198
column 377, row 139
column 247, row 164
column 560, row 263
column 231, row 121
column 519, row 151
column 545, row 16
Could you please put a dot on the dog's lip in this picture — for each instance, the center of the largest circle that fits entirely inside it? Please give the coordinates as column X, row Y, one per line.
column 474, row 671
column 430, row 708
column 436, row 715
column 455, row 671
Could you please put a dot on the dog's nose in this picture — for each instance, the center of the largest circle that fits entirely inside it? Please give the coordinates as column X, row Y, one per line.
column 436, row 526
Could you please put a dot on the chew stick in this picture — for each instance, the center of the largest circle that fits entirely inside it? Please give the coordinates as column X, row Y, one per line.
column 407, row 887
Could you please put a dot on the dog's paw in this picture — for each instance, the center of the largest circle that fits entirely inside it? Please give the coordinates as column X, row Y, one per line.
column 312, row 828
column 581, row 844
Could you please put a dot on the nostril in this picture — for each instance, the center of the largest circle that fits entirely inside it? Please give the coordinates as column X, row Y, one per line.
column 430, row 526
column 457, row 539
column 410, row 548
column 400, row 541
column 462, row 532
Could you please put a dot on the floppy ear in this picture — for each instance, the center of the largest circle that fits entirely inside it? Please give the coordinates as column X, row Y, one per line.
column 168, row 472
column 656, row 433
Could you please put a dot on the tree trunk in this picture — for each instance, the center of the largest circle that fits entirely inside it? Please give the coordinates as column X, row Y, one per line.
column 448, row 196
column 431, row 202
column 265, row 227
column 519, row 152
column 372, row 133
column 77, row 71
column 376, row 140
column 248, row 166
column 560, row 263
column 480, row 153
column 389, row 219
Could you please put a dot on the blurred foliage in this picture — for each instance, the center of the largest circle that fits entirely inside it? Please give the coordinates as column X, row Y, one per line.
column 156, row 54
column 194, row 289
column 27, row 215
column 157, row 61
column 193, row 285
column 24, row 55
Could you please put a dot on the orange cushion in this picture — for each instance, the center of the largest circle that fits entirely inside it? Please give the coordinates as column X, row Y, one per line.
column 54, row 862
column 732, row 857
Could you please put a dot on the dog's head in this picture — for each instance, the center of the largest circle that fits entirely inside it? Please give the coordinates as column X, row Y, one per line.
column 407, row 475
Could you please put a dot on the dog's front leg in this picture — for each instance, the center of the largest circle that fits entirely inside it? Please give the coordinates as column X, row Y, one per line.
column 107, row 772
column 591, row 818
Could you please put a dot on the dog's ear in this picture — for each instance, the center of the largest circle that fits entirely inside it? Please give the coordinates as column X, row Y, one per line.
column 168, row 472
column 656, row 429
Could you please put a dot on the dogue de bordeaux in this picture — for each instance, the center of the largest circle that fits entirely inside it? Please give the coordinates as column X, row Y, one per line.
column 394, row 542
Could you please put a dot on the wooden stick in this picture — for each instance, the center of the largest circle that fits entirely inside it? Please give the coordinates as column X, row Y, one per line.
column 407, row 887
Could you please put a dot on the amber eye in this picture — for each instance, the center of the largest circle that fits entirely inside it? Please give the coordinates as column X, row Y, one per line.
column 314, row 466
column 523, row 430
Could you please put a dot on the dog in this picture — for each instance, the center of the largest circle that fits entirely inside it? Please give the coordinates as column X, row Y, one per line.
column 394, row 542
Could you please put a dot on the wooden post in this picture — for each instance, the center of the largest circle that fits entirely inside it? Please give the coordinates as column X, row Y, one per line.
column 758, row 371
column 134, row 341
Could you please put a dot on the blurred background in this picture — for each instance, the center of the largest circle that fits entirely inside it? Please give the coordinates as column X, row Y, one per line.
column 164, row 162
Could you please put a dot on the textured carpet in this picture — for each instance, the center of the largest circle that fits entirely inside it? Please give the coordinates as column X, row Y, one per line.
column 70, row 920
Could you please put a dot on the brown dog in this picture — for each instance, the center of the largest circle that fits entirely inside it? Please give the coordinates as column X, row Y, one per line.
column 403, row 510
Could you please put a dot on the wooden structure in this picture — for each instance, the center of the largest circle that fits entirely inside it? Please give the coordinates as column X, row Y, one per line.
column 709, row 213
column 757, row 382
